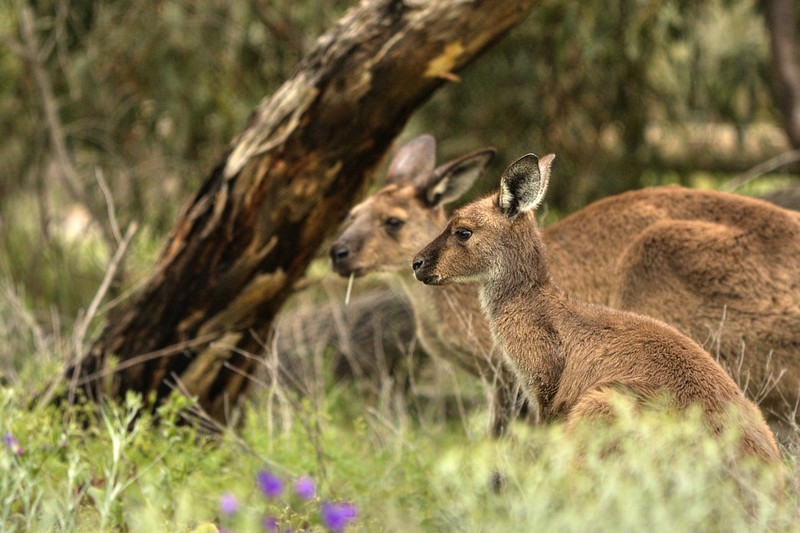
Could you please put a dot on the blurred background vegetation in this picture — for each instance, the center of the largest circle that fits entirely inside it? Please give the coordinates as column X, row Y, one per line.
column 143, row 97
column 115, row 112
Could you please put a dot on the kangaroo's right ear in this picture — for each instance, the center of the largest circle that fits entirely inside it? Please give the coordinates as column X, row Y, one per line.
column 414, row 160
column 452, row 179
column 523, row 184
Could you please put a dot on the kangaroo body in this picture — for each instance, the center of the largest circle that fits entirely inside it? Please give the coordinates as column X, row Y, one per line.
column 570, row 356
column 722, row 268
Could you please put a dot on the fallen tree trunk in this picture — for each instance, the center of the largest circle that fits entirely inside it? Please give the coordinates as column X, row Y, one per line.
column 246, row 237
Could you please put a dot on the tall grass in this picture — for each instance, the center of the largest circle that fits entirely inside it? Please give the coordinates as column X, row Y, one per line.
column 407, row 455
column 402, row 465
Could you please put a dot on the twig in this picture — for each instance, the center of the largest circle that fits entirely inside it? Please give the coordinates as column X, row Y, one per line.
column 792, row 156
column 145, row 357
column 133, row 288
column 32, row 52
column 112, row 213
column 312, row 427
column 349, row 288
column 19, row 307
column 47, row 396
column 54, row 126
column 280, row 28
column 83, row 326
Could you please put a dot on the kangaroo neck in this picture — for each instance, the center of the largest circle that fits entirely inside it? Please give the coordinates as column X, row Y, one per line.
column 519, row 272
column 526, row 311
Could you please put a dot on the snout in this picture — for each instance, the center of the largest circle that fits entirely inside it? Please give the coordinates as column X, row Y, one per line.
column 423, row 271
column 341, row 254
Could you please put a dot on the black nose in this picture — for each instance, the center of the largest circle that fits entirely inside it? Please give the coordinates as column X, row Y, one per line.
column 417, row 264
column 339, row 252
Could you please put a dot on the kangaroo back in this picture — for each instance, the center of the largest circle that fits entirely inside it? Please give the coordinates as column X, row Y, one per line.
column 724, row 269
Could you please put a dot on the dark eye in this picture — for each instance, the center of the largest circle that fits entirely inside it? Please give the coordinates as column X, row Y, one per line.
column 462, row 234
column 393, row 223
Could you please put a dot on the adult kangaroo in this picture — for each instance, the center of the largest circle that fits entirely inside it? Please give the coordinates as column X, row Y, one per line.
column 571, row 357
column 722, row 268
column 641, row 250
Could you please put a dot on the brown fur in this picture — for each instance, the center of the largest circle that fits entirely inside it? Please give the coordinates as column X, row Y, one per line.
column 628, row 272
column 568, row 355
column 722, row 268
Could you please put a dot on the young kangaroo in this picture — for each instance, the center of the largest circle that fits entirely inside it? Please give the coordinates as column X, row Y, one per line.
column 570, row 357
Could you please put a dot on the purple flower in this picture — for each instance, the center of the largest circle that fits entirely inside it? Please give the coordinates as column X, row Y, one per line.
column 12, row 443
column 228, row 504
column 304, row 487
column 337, row 516
column 270, row 484
column 270, row 524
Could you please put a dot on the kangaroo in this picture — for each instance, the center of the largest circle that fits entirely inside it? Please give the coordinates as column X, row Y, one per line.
column 384, row 231
column 652, row 260
column 715, row 265
column 571, row 357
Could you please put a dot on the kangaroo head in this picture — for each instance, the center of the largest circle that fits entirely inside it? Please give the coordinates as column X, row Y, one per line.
column 483, row 235
column 384, row 231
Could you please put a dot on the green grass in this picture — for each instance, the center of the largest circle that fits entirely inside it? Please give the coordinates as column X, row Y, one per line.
column 402, row 461
column 79, row 471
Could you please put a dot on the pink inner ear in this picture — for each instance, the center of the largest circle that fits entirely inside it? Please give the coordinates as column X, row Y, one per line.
column 414, row 159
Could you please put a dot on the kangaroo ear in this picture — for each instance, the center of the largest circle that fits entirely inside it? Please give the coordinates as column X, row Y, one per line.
column 452, row 179
column 413, row 160
column 524, row 183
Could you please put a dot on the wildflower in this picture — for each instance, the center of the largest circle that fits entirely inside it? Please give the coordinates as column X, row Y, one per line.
column 12, row 443
column 270, row 524
column 9, row 440
column 304, row 487
column 337, row 516
column 270, row 484
column 228, row 504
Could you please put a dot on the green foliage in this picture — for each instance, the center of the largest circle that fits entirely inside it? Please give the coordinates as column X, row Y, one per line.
column 599, row 84
column 59, row 262
column 650, row 472
column 149, row 94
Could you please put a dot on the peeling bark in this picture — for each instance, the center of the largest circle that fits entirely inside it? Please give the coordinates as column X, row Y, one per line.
column 247, row 236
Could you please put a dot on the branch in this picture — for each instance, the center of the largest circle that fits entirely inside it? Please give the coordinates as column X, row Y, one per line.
column 769, row 165
column 32, row 53
column 278, row 26
column 83, row 325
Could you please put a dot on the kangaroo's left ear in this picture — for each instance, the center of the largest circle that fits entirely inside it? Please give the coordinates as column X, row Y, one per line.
column 523, row 184
column 452, row 179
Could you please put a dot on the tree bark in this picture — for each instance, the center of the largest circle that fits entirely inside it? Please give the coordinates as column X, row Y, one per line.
column 248, row 234
column 781, row 23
